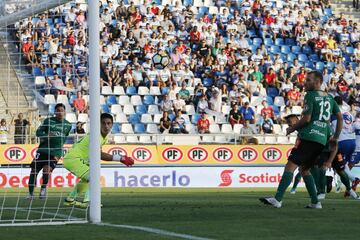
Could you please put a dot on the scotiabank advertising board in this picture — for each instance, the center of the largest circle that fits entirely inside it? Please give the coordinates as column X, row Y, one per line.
column 171, row 155
column 168, row 177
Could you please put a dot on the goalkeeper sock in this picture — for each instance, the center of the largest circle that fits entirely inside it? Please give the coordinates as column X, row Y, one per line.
column 315, row 173
column 87, row 196
column 296, row 180
column 310, row 186
column 79, row 188
column 283, row 185
column 32, row 183
column 345, row 179
column 322, row 180
column 45, row 179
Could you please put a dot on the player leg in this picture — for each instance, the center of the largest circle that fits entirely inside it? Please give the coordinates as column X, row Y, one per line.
column 354, row 160
column 297, row 179
column 36, row 166
column 347, row 148
column 339, row 167
column 48, row 168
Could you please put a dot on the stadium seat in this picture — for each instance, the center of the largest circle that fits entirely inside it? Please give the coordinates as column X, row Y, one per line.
column 285, row 49
column 330, row 65
column 134, row 118
column 143, row 91
column 49, row 99
column 302, row 57
column 186, row 118
column 314, row 57
column 269, row 139
column 106, row 90
column 40, row 81
column 62, row 99
column 296, row 110
column 225, row 109
column 274, row 49
column 258, row 109
column 306, row 49
column 290, row 41
column 290, row 57
column 319, row 66
column 279, row 41
column 208, row 82
column 155, row 91
column 145, row 139
column 277, row 129
column 256, row 101
column 220, row 119
column 292, row 139
column 282, row 140
column 165, row 90
column 49, row 72
column 207, row 139
column 51, row 108
column 146, row 118
column 157, row 118
column 272, row 92
column 119, row 90
column 349, row 50
column 257, row 41
column 131, row 91
column 191, row 128
column 105, row 108
column 195, row 118
column 268, row 42
column 328, row 12
column 152, row 128
column 141, row 109
column 115, row 128
column 139, row 128
column 213, row 10
column 115, row 109
column 189, row 109
column 296, row 49
column 127, row 128
column 136, row 100
column 279, row 101
column 83, row 117
column 119, row 139
column 124, row 100
column 148, row 100
column 121, row 118
column 226, row 128
column 203, row 10
column 132, row 139
column 237, row 128
column 214, row 128
column 153, row 109
column 71, row 117
column 111, row 100
column 198, row 3
column 128, row 109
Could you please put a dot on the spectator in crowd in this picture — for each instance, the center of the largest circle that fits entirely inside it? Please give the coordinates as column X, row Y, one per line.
column 80, row 128
column 234, row 115
column 203, row 124
column 20, row 129
column 165, row 123
column 267, row 110
column 202, row 105
column 178, row 124
column 248, row 131
column 4, row 131
column 267, row 124
column 247, row 113
column 166, row 104
column 179, row 104
column 80, row 105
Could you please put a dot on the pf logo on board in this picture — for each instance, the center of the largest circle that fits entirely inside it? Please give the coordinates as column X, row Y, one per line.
column 197, row 154
column 141, row 154
column 172, row 154
column 272, row 154
column 222, row 154
column 117, row 151
column 247, row 154
column 15, row 154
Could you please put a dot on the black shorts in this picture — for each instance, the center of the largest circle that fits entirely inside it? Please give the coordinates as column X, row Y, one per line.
column 338, row 163
column 41, row 160
column 305, row 153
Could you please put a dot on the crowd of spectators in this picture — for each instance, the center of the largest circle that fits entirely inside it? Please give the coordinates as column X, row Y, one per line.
column 249, row 57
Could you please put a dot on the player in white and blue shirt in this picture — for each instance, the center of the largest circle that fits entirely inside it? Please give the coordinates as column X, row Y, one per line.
column 356, row 127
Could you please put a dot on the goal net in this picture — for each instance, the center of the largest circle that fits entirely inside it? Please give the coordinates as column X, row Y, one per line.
column 42, row 42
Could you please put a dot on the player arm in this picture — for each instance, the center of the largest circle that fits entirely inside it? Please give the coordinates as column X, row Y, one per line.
column 42, row 131
column 339, row 125
column 128, row 161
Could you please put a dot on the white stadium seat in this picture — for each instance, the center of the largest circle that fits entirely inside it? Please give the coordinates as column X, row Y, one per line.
column 106, row 90
column 189, row 109
column 119, row 90
column 62, row 99
column 296, row 110
column 132, row 139
column 49, row 99
column 121, row 118
column 214, row 128
column 152, row 128
column 146, row 118
column 145, row 139
column 226, row 128
column 127, row 128
column 157, row 118
column 237, row 128
column 83, row 117
column 279, row 101
column 136, row 100
column 153, row 109
column 225, row 109
column 123, row 100
column 155, row 91
column 71, row 117
column 119, row 139
column 129, row 109
column 143, row 91
column 270, row 139
column 115, row 109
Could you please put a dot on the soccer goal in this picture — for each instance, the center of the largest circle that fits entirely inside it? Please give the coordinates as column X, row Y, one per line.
column 36, row 77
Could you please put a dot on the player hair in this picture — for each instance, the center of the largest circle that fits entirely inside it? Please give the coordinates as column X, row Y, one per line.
column 338, row 100
column 318, row 75
column 60, row 105
column 107, row 116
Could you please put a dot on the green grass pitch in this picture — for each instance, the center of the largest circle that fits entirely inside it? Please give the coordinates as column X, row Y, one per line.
column 207, row 213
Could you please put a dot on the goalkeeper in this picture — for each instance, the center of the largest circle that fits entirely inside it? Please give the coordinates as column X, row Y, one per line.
column 77, row 162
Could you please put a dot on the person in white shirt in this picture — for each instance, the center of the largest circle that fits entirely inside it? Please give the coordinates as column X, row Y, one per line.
column 4, row 130
column 202, row 105
column 177, row 75
column 356, row 126
column 178, row 103
column 152, row 75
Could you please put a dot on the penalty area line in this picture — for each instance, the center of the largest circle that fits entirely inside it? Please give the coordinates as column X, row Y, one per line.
column 155, row 231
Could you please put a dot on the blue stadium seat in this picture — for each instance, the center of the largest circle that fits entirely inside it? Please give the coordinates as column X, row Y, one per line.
column 319, row 66
column 141, row 109
column 309, row 64
column 279, row 41
column 253, row 48
column 269, row 100
column 306, row 50
column 72, row 98
column 134, row 118
column 328, row 12
column 58, row 21
column 105, row 108
column 115, row 128
column 268, row 42
column 195, row 118
column 49, row 72
column 51, row 108
column 296, row 49
column 139, row 128
column 131, row 91
column 165, row 90
column 257, row 41
column 274, row 49
column 290, row 41
column 330, row 65
column 353, row 64
column 111, row 100
column 276, row 110
column 303, row 58
column 291, row 57
column 251, row 33
column 37, row 72
column 314, row 58
column 350, row 50
column 203, row 10
column 285, row 49
column 208, row 82
column 148, row 100
column 188, row 2
column 172, row 116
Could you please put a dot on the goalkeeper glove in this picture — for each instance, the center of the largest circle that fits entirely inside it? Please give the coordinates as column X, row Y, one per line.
column 128, row 161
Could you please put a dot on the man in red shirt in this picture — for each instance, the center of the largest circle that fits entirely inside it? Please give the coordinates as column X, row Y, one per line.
column 26, row 46
column 203, row 124
column 154, row 9
column 319, row 44
column 267, row 110
column 301, row 76
column 270, row 78
column 294, row 96
column 80, row 104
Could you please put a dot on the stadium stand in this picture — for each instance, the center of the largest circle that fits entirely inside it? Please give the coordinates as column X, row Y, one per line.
column 221, row 53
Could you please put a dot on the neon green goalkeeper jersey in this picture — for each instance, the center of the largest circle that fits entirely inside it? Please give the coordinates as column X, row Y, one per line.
column 80, row 149
column 320, row 106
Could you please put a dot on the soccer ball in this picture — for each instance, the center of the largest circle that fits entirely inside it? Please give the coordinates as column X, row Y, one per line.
column 160, row 60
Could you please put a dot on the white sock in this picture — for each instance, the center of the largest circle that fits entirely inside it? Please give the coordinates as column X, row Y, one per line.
column 348, row 172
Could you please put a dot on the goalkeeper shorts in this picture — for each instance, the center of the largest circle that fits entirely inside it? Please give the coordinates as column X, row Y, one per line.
column 77, row 166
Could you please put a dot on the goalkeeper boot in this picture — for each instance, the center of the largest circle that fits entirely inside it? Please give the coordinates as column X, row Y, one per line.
column 42, row 194
column 271, row 201
column 84, row 204
column 353, row 194
column 321, row 196
column 69, row 201
column 293, row 191
column 29, row 197
column 355, row 183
